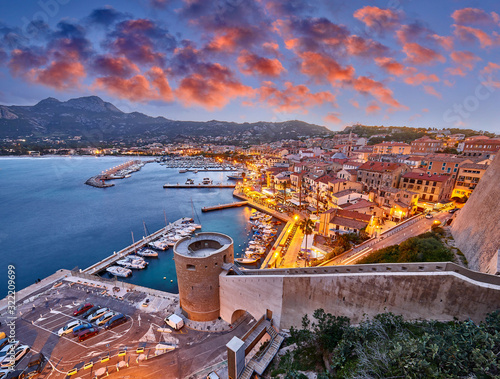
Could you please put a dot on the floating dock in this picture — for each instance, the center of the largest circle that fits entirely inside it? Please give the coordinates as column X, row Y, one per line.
column 221, row 185
column 109, row 261
column 224, row 206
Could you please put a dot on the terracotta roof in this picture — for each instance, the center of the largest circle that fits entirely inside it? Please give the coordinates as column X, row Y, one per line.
column 434, row 178
column 344, row 192
column 379, row 166
column 346, row 222
column 354, row 215
column 324, row 179
column 392, row 144
column 475, row 166
column 361, row 203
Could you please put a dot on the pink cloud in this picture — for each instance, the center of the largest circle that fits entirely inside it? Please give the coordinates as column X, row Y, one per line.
column 354, row 103
column 60, row 75
column 464, row 60
column 372, row 108
column 445, row 42
column 473, row 16
column 376, row 89
column 252, row 64
column 293, row 98
column 466, row 32
column 214, row 86
column 410, row 75
column 138, row 88
column 431, row 91
column 374, row 17
column 332, row 118
column 320, row 66
column 418, row 54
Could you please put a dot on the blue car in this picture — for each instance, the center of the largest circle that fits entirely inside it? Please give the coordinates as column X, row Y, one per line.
column 81, row 328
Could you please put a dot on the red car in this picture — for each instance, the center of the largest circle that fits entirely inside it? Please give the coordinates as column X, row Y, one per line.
column 87, row 333
column 82, row 309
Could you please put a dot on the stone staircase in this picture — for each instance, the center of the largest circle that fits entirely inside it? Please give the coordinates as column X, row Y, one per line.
column 259, row 365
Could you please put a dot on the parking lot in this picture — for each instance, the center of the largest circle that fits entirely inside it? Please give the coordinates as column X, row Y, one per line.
column 130, row 346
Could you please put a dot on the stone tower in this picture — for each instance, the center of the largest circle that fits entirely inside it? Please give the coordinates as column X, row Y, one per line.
column 476, row 229
column 198, row 264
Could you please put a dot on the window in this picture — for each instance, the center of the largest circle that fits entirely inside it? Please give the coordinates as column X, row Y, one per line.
column 191, row 267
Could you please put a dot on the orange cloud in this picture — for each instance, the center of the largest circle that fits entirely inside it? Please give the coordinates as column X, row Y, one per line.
column 252, row 64
column 61, row 75
column 418, row 54
column 354, row 103
column 138, row 88
column 372, row 108
column 213, row 87
column 431, row 91
column 319, row 66
column 473, row 16
column 271, row 48
column 228, row 39
column 465, row 61
column 292, row 98
column 466, row 32
column 332, row 118
column 383, row 94
column 375, row 17
column 445, row 42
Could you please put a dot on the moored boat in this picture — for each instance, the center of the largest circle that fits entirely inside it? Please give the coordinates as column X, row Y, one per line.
column 119, row 271
column 246, row 261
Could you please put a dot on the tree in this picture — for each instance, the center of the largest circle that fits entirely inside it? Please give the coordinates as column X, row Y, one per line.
column 307, row 227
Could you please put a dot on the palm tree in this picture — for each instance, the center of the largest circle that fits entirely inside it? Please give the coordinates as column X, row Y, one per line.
column 306, row 226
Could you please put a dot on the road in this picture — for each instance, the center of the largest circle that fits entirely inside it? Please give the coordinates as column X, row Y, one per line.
column 395, row 237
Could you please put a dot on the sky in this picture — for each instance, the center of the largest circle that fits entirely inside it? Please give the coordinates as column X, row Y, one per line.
column 417, row 63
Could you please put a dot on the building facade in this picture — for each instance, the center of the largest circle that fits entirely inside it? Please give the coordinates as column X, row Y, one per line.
column 468, row 177
column 430, row 188
column 377, row 174
column 426, row 145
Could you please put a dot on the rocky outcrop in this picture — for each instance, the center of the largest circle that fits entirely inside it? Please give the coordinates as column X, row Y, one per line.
column 476, row 229
column 7, row 113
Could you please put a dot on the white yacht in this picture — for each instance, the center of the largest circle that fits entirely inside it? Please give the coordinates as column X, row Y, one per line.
column 119, row 271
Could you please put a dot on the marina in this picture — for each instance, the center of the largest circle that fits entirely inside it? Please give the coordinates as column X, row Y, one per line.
column 216, row 185
column 120, row 257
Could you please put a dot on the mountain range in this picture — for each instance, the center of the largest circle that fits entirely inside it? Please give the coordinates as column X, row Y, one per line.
column 94, row 119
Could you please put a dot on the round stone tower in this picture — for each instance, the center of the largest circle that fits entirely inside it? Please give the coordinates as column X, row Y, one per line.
column 198, row 263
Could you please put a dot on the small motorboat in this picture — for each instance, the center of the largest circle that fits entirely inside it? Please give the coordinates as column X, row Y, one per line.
column 119, row 271
column 246, row 261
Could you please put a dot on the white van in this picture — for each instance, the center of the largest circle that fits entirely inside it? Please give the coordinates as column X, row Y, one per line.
column 174, row 322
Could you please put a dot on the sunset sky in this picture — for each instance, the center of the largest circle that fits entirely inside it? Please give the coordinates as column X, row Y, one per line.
column 334, row 63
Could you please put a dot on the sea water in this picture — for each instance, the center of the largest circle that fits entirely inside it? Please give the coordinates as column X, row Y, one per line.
column 50, row 220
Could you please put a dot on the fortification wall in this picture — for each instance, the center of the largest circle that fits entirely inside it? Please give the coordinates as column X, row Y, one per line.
column 476, row 227
column 439, row 295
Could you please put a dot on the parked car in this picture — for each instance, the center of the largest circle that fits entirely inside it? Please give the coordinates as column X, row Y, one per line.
column 428, row 215
column 87, row 333
column 8, row 349
column 82, row 309
column 453, row 210
column 35, row 366
column 97, row 314
column 68, row 328
column 105, row 318
column 16, row 374
column 3, row 342
column 88, row 312
column 79, row 328
column 115, row 321
column 19, row 353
